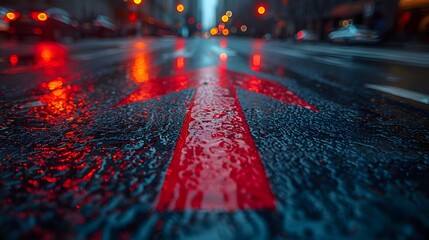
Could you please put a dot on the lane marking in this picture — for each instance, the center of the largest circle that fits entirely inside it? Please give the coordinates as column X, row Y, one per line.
column 380, row 54
column 187, row 53
column 400, row 92
column 335, row 62
column 215, row 163
column 219, row 50
column 289, row 52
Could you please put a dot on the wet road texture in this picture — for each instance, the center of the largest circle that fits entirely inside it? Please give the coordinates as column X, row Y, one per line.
column 174, row 138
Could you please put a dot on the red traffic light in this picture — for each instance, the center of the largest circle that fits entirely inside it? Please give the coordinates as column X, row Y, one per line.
column 132, row 17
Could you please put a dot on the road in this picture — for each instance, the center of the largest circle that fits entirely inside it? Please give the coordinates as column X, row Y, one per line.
column 221, row 138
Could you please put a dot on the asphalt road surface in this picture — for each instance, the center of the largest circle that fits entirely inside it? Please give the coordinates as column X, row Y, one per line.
column 169, row 138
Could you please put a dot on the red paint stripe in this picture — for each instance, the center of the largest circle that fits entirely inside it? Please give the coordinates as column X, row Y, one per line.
column 154, row 88
column 215, row 164
column 269, row 88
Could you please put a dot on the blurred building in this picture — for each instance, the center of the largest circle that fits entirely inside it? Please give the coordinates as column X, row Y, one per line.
column 395, row 19
column 325, row 15
column 190, row 20
column 156, row 17
column 161, row 17
column 245, row 13
column 412, row 23
column 80, row 9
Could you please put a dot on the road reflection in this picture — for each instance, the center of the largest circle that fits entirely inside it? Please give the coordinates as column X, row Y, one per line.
column 255, row 63
column 59, row 160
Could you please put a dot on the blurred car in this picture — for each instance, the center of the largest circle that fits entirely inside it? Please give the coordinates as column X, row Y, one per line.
column 102, row 27
column 50, row 24
column 305, row 35
column 4, row 20
column 354, row 34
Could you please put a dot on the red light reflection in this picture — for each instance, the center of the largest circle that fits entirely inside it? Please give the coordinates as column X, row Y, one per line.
column 223, row 57
column 179, row 44
column 50, row 54
column 256, row 62
column 223, row 42
column 37, row 31
column 140, row 68
column 154, row 88
column 180, row 63
column 60, row 103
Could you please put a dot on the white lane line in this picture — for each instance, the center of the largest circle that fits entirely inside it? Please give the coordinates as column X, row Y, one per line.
column 187, row 53
column 219, row 50
column 334, row 61
column 289, row 52
column 420, row 59
column 418, row 97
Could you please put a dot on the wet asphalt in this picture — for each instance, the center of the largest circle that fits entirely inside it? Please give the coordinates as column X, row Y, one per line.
column 96, row 133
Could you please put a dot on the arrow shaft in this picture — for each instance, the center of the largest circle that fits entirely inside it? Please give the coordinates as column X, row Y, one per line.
column 215, row 164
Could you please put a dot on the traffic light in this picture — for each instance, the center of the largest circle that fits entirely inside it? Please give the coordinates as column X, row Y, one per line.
column 137, row 2
column 261, row 9
column 133, row 17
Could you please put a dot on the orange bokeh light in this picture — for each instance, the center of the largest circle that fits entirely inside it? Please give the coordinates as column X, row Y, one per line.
column 42, row 17
column 214, row 31
column 180, row 63
column 180, row 8
column 225, row 18
column 261, row 10
column 11, row 16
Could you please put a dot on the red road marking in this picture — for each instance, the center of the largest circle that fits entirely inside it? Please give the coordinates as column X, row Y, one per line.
column 215, row 164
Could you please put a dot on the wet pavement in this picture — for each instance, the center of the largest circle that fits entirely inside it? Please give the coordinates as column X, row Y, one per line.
column 168, row 138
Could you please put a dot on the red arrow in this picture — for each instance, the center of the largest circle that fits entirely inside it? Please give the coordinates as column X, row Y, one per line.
column 215, row 164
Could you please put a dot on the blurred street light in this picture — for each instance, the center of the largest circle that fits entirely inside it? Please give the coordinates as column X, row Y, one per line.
column 180, row 8
column 137, row 2
column 261, row 10
column 225, row 18
column 214, row 31
column 221, row 27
